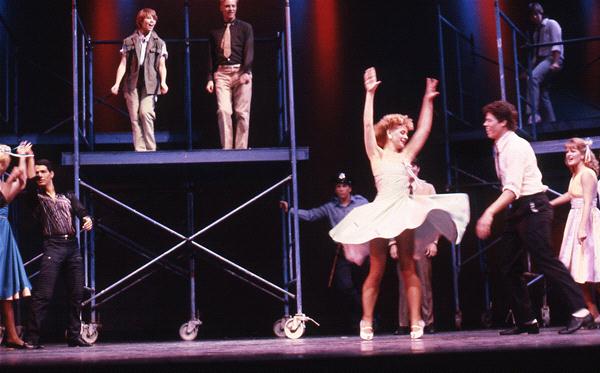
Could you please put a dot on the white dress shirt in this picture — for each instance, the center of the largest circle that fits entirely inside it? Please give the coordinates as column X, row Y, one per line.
column 548, row 32
column 516, row 166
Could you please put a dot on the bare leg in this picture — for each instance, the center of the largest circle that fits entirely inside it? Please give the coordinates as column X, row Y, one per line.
column 8, row 316
column 589, row 299
column 412, row 283
column 378, row 257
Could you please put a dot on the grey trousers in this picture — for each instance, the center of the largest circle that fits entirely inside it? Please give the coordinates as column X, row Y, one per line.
column 423, row 267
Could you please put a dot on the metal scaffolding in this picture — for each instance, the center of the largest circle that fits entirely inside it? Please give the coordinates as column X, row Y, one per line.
column 291, row 325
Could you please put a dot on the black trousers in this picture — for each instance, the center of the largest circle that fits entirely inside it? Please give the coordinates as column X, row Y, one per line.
column 528, row 232
column 348, row 280
column 60, row 256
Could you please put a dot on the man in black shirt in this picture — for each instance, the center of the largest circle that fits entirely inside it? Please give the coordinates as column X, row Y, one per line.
column 55, row 212
column 230, row 57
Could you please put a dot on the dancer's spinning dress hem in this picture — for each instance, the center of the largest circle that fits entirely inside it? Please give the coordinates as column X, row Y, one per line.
column 393, row 211
column 14, row 282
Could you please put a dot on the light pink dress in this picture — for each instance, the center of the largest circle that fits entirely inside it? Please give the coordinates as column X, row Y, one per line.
column 394, row 211
column 583, row 261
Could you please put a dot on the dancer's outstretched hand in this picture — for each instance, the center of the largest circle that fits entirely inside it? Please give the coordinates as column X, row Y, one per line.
column 431, row 88
column 25, row 147
column 371, row 82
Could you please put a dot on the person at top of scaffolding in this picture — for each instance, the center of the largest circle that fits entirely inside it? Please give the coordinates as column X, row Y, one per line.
column 413, row 221
column 14, row 282
column 580, row 248
column 56, row 214
column 230, row 58
column 144, row 70
column 346, row 276
column 547, row 61
column 528, row 224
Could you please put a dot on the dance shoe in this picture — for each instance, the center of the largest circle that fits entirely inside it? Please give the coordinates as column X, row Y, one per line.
column 577, row 323
column 22, row 346
column 416, row 331
column 533, row 328
column 78, row 342
column 366, row 331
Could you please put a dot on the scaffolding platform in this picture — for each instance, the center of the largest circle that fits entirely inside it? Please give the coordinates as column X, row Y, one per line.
column 100, row 138
column 163, row 157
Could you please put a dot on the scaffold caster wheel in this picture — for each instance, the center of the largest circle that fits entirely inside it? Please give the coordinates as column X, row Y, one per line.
column 545, row 315
column 279, row 326
column 294, row 328
column 458, row 319
column 486, row 319
column 89, row 333
column 189, row 330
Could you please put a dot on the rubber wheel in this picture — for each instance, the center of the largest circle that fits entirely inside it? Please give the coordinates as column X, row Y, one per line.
column 294, row 329
column 279, row 327
column 89, row 333
column 188, row 333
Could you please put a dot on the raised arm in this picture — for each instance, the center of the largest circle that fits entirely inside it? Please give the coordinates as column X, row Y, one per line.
column 418, row 139
column 26, row 164
column 13, row 185
column 371, row 84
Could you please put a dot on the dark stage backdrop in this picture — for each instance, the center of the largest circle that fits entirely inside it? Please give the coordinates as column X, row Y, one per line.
column 333, row 42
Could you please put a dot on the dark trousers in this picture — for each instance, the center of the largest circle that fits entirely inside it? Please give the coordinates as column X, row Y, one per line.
column 348, row 280
column 60, row 255
column 528, row 232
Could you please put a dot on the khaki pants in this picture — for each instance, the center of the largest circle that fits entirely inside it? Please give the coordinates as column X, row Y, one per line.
column 423, row 268
column 141, row 114
column 232, row 97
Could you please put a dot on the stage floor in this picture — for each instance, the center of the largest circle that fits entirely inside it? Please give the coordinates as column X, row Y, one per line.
column 482, row 350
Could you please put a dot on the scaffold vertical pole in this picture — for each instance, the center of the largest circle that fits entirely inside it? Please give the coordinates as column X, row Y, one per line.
column 290, row 96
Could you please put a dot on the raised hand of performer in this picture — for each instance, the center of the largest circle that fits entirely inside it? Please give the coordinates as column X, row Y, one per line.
column 431, row 91
column 284, row 206
column 371, row 82
column 27, row 165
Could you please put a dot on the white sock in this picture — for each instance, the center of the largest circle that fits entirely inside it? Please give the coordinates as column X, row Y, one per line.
column 531, row 322
column 581, row 313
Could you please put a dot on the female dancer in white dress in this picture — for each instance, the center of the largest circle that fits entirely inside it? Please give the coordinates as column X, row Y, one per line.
column 580, row 249
column 413, row 221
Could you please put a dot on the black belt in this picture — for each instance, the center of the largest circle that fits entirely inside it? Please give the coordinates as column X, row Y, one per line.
column 526, row 199
column 59, row 237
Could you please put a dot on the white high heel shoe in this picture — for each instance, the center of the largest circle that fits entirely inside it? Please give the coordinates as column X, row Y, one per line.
column 416, row 331
column 366, row 330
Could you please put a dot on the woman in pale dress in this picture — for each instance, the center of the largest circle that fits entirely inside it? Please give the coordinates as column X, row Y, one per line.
column 580, row 249
column 414, row 222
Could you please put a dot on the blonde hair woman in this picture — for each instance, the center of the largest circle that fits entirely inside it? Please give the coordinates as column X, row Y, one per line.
column 413, row 222
column 13, row 279
column 580, row 249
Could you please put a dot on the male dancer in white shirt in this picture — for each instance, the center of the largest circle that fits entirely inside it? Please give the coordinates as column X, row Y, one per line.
column 528, row 224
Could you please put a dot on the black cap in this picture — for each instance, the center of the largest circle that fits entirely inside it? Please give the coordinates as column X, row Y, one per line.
column 342, row 178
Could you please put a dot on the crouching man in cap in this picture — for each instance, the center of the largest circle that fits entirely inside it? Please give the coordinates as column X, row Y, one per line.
column 346, row 277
